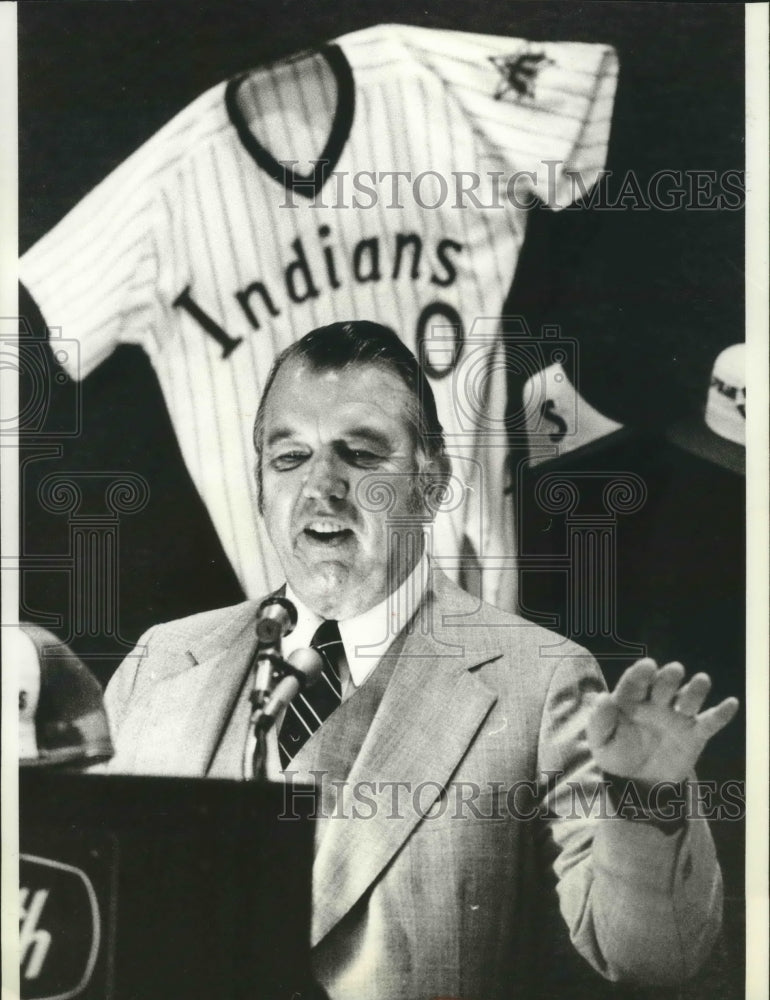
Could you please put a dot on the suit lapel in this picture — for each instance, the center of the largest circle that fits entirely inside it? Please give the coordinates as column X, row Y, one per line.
column 221, row 681
column 429, row 713
column 193, row 706
column 333, row 748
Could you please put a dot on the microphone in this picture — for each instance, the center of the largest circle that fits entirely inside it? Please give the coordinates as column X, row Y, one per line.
column 276, row 617
column 303, row 667
column 307, row 664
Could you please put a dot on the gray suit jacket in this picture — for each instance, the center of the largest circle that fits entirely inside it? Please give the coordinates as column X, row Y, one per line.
column 428, row 871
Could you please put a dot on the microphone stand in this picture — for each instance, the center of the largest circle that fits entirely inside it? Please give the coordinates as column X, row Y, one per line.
column 259, row 758
column 276, row 618
column 260, row 724
column 262, row 711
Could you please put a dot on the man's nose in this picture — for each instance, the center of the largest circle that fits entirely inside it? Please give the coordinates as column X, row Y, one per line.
column 326, row 479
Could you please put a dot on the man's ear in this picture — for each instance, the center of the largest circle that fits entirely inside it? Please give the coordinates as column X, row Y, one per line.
column 434, row 483
column 258, row 481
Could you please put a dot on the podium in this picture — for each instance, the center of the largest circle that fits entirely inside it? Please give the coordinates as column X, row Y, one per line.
column 155, row 888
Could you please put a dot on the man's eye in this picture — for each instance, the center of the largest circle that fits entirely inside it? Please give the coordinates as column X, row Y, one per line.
column 362, row 457
column 287, row 460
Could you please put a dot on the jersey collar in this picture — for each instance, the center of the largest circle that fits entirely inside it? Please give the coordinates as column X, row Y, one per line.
column 311, row 184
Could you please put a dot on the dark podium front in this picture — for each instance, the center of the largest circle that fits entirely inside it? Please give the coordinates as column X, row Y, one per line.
column 144, row 888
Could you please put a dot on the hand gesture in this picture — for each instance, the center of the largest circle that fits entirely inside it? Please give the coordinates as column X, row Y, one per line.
column 650, row 728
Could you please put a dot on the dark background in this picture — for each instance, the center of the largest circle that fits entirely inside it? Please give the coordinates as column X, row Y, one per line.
column 652, row 296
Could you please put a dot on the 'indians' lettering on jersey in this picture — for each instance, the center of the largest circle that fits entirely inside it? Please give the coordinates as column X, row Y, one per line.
column 368, row 263
column 214, row 246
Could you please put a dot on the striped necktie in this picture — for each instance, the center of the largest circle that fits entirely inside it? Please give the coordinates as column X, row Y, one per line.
column 309, row 710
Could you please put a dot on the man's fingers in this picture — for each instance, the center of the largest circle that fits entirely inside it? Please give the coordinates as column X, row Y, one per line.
column 634, row 686
column 716, row 718
column 692, row 695
column 666, row 684
column 603, row 720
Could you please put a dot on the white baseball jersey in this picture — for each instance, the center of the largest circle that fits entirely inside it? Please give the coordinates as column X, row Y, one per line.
column 332, row 186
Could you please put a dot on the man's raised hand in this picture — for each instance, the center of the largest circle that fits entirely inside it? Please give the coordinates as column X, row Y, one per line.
column 650, row 728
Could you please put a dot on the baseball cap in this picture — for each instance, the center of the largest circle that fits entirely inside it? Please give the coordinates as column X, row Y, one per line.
column 719, row 434
column 62, row 719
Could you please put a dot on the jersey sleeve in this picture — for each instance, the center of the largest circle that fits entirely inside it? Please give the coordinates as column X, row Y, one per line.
column 94, row 274
column 542, row 109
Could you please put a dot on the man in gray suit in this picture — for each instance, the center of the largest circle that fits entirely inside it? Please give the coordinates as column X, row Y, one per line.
column 464, row 756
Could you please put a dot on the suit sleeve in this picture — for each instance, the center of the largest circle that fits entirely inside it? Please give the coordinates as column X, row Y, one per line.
column 640, row 904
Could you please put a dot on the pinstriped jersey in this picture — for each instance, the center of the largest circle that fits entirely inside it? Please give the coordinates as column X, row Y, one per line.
column 386, row 176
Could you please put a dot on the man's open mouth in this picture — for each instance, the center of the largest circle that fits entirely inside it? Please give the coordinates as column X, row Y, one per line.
column 327, row 532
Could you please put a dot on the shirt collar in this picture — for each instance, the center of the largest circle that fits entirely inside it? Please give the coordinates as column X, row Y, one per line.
column 366, row 637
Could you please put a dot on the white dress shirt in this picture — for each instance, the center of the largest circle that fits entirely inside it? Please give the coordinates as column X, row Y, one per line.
column 366, row 638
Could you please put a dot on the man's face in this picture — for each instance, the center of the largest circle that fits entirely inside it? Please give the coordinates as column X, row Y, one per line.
column 329, row 438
